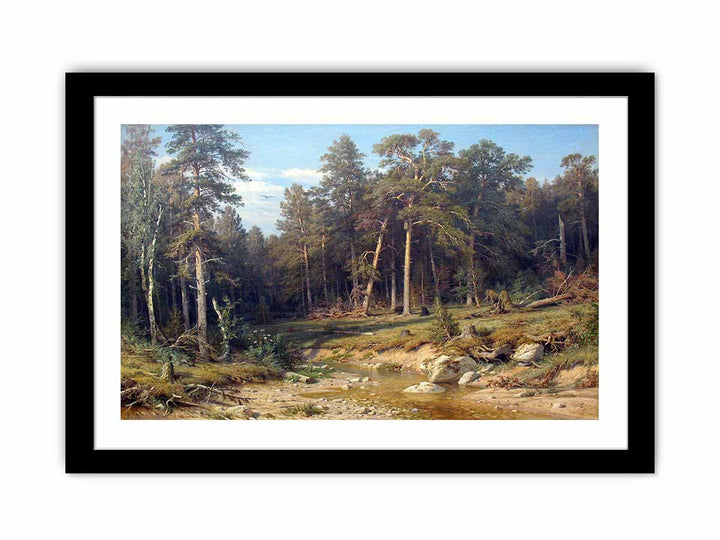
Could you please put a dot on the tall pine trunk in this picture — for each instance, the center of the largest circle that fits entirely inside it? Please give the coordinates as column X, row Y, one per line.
column 324, row 269
column 586, row 240
column 185, row 300
column 307, row 275
column 393, row 278
column 563, row 245
column 435, row 276
column 406, row 277
column 354, row 273
column 376, row 259
column 201, row 303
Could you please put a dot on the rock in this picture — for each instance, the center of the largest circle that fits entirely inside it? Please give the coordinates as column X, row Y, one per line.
column 558, row 405
column 526, row 393
column 365, row 379
column 405, row 333
column 291, row 376
column 468, row 377
column 364, row 410
column 345, row 387
column 528, row 352
column 447, row 369
column 414, row 410
column 354, row 379
column 243, row 410
column 424, row 388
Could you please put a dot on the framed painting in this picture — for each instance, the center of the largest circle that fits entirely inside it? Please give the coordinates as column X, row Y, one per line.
column 360, row 272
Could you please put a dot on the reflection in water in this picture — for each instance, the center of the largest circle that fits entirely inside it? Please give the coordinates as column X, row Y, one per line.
column 449, row 405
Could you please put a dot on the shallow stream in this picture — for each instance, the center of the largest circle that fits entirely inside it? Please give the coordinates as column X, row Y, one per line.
column 453, row 404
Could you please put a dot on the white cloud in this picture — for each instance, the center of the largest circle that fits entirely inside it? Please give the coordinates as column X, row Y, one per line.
column 303, row 176
column 167, row 158
column 261, row 203
column 256, row 173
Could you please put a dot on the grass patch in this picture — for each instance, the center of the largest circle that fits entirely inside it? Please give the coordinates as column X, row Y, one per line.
column 306, row 410
column 547, row 369
column 141, row 384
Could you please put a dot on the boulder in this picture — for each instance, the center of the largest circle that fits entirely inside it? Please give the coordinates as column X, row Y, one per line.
column 468, row 377
column 528, row 352
column 424, row 388
column 291, row 376
column 447, row 369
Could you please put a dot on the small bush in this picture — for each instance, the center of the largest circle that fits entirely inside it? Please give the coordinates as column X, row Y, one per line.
column 271, row 350
column 445, row 326
column 587, row 330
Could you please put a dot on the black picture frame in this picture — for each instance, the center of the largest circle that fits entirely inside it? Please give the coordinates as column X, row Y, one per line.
column 80, row 453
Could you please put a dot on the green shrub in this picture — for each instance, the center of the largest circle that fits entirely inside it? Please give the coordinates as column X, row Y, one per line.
column 445, row 325
column 587, row 330
column 271, row 350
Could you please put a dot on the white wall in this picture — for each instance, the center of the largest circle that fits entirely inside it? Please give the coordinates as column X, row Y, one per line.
column 42, row 40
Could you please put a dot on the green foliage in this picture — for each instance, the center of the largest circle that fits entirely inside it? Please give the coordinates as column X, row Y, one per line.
column 262, row 314
column 272, row 350
column 308, row 410
column 445, row 326
column 526, row 284
column 587, row 330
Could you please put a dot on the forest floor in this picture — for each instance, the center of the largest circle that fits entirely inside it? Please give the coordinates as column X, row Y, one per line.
column 360, row 367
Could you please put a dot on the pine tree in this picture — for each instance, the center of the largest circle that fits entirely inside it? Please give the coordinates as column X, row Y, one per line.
column 212, row 159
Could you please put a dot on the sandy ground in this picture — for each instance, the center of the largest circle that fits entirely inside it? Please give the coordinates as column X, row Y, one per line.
column 371, row 396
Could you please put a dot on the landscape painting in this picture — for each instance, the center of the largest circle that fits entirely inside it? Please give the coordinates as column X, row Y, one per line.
column 359, row 272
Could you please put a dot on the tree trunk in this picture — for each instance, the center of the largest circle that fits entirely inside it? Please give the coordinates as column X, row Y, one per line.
column 324, row 265
column 376, row 259
column 406, row 276
column 133, row 294
column 200, row 273
column 201, row 303
column 173, row 293
column 223, row 324
column 185, row 303
column 148, row 282
column 435, row 277
column 307, row 276
column 353, row 271
column 563, row 245
column 393, row 279
column 586, row 240
column 473, row 292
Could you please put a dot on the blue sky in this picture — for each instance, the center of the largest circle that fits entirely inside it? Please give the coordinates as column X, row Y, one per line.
column 281, row 154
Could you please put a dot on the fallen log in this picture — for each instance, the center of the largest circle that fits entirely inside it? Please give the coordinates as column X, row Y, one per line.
column 487, row 356
column 548, row 301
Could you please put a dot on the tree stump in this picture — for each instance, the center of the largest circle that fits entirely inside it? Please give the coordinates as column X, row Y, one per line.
column 424, row 312
column 469, row 332
column 168, row 372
